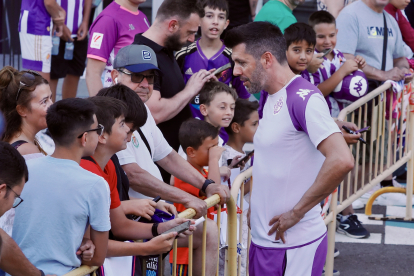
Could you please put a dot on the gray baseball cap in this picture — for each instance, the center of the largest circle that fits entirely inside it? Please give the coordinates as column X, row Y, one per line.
column 136, row 58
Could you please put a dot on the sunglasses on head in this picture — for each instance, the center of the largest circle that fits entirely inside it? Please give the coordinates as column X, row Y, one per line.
column 98, row 130
column 27, row 80
column 138, row 77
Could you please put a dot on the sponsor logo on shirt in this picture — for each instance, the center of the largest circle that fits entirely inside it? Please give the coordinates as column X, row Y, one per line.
column 278, row 106
column 303, row 93
column 146, row 55
column 358, row 86
column 135, row 141
column 131, row 27
column 189, row 71
column 377, row 32
column 96, row 40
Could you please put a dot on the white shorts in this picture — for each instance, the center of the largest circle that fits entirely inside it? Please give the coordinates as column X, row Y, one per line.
column 36, row 52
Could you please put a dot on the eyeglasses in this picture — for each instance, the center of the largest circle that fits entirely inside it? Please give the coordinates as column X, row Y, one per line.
column 27, row 79
column 98, row 130
column 17, row 200
column 138, row 78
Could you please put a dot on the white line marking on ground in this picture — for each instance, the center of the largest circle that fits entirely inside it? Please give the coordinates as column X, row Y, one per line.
column 399, row 235
column 375, row 238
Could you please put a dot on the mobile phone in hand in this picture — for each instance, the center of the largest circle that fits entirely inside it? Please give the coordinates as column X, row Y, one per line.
column 179, row 228
column 325, row 52
column 221, row 69
column 244, row 159
column 354, row 132
column 362, row 130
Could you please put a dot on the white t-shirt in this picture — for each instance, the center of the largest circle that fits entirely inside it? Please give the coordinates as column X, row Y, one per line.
column 295, row 120
column 137, row 152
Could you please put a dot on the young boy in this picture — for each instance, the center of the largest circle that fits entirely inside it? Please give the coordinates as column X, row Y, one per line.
column 199, row 140
column 110, row 112
column 300, row 44
column 209, row 53
column 335, row 69
column 61, row 199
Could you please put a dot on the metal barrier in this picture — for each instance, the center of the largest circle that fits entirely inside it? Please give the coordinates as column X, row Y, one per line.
column 375, row 109
column 190, row 213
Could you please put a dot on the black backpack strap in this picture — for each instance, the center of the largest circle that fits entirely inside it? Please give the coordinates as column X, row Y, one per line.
column 145, row 140
column 18, row 143
column 384, row 47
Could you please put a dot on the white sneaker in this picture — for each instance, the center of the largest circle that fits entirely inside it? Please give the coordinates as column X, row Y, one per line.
column 390, row 199
column 397, row 184
column 358, row 204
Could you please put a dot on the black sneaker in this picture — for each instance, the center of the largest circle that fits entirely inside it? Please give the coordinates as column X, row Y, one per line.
column 352, row 227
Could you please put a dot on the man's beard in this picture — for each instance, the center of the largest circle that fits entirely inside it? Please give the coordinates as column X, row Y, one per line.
column 257, row 79
column 173, row 42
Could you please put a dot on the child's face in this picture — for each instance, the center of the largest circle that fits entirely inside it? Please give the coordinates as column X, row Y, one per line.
column 249, row 127
column 400, row 4
column 325, row 36
column 299, row 54
column 118, row 138
column 213, row 23
column 220, row 112
column 201, row 155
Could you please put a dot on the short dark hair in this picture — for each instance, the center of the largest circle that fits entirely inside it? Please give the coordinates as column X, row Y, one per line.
column 181, row 8
column 211, row 88
column 220, row 5
column 12, row 166
column 136, row 110
column 298, row 32
column 193, row 132
column 68, row 118
column 321, row 17
column 242, row 111
column 108, row 110
column 252, row 34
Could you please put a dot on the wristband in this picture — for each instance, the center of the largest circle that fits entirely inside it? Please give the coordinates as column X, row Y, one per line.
column 205, row 185
column 41, row 273
column 154, row 229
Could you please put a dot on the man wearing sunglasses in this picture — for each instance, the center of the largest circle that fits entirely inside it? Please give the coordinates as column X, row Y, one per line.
column 13, row 176
column 136, row 67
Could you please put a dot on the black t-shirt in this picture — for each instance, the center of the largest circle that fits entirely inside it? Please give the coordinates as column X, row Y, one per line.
column 170, row 84
column 239, row 12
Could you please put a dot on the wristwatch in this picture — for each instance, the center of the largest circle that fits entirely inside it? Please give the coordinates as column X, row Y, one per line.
column 205, row 185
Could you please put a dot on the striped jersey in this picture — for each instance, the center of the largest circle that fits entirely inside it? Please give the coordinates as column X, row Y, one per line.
column 74, row 14
column 34, row 18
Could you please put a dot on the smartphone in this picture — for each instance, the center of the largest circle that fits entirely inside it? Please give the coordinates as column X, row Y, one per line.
column 244, row 159
column 325, row 52
column 362, row 130
column 221, row 69
column 180, row 228
column 353, row 132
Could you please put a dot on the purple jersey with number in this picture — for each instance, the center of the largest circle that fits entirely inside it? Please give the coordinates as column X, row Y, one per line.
column 74, row 14
column 191, row 59
column 34, row 18
column 114, row 28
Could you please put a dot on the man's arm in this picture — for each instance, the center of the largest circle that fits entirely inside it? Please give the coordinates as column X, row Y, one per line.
column 83, row 28
column 143, row 182
column 253, row 5
column 163, row 109
column 339, row 161
column 94, row 70
column 100, row 240
column 395, row 74
column 180, row 168
column 12, row 259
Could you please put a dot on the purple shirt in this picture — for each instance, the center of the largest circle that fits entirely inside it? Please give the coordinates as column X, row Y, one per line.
column 34, row 18
column 114, row 28
column 191, row 59
column 74, row 14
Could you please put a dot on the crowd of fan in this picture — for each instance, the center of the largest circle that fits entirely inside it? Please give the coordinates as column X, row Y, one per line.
column 83, row 172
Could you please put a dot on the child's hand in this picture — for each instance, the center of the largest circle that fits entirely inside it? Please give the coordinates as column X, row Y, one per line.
column 225, row 173
column 315, row 63
column 360, row 61
column 235, row 161
column 166, row 207
column 139, row 207
column 349, row 66
column 214, row 153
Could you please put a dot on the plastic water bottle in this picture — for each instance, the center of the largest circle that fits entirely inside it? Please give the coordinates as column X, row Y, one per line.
column 55, row 43
column 69, row 50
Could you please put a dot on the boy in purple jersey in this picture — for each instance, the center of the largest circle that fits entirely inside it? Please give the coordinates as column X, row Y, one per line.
column 114, row 28
column 35, row 29
column 209, row 52
column 300, row 157
column 75, row 30
column 335, row 68
column 300, row 43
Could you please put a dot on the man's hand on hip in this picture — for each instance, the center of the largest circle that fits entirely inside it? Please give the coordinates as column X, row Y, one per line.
column 221, row 190
column 282, row 223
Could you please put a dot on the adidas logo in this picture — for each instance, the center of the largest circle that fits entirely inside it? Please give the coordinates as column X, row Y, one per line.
column 189, row 71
